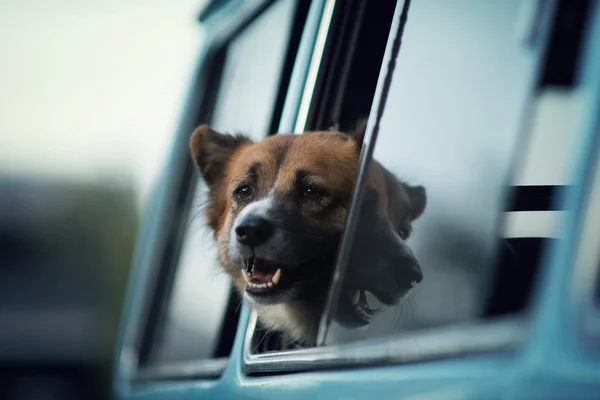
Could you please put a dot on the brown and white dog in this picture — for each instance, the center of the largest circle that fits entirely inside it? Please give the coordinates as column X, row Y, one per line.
column 277, row 209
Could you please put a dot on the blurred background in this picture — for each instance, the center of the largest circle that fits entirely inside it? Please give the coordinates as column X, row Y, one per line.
column 78, row 161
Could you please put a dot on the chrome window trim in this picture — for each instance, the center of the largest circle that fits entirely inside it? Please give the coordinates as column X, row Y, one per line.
column 306, row 67
column 145, row 267
column 315, row 65
column 491, row 336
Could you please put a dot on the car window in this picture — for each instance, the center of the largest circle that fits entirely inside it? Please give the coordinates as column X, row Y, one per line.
column 201, row 294
column 450, row 139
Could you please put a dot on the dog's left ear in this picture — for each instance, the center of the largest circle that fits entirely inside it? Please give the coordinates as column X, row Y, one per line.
column 212, row 151
column 418, row 200
column 358, row 133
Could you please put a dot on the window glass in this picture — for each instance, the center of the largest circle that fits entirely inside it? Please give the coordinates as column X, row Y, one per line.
column 249, row 85
column 449, row 137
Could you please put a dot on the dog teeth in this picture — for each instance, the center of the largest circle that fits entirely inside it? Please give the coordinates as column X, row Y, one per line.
column 255, row 285
column 276, row 277
column 413, row 283
column 246, row 276
column 356, row 297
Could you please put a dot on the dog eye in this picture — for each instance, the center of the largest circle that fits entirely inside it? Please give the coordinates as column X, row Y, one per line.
column 243, row 192
column 313, row 193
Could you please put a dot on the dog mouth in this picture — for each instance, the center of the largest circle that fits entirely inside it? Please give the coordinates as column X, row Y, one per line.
column 262, row 277
column 270, row 282
column 365, row 304
column 357, row 307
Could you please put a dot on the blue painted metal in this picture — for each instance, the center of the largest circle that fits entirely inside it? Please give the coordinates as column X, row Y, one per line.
column 554, row 363
column 551, row 362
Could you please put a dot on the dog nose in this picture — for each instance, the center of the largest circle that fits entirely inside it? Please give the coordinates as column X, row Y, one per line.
column 253, row 231
column 411, row 273
column 415, row 274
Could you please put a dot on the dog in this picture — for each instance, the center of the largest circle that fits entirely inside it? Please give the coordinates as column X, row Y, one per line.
column 277, row 210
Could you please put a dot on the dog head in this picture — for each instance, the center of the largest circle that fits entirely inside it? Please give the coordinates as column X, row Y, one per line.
column 381, row 263
column 278, row 208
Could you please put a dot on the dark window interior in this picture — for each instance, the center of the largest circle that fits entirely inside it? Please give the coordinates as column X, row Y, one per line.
column 295, row 37
column 351, row 64
column 562, row 58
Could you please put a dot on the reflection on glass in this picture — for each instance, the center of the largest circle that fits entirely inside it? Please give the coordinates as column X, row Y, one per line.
column 451, row 126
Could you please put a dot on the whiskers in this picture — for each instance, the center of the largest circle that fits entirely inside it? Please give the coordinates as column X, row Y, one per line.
column 427, row 280
column 402, row 313
column 239, row 305
column 405, row 314
column 267, row 332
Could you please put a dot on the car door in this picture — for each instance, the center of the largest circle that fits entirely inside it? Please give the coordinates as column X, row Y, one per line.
column 453, row 95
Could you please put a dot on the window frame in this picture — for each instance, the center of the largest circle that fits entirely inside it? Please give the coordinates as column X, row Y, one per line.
column 438, row 343
column 500, row 334
column 295, row 114
column 168, row 210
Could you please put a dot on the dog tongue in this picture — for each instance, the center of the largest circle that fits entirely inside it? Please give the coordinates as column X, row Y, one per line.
column 260, row 273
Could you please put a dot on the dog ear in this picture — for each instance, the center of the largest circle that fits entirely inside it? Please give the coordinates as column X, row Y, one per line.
column 418, row 200
column 212, row 151
column 358, row 133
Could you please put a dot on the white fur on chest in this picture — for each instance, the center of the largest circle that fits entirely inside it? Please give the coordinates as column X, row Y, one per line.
column 295, row 319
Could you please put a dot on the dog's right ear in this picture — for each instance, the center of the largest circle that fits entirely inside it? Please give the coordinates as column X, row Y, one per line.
column 418, row 200
column 212, row 151
column 358, row 133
